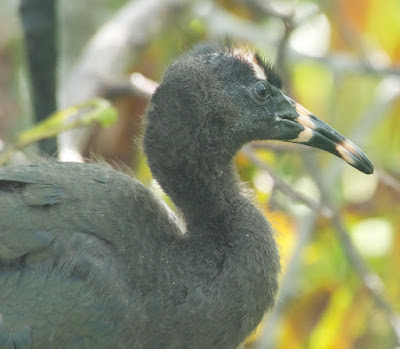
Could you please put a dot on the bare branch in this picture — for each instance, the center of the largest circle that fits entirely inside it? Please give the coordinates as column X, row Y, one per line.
column 370, row 280
column 220, row 22
column 389, row 180
column 107, row 56
column 286, row 189
column 285, row 12
column 344, row 63
column 136, row 85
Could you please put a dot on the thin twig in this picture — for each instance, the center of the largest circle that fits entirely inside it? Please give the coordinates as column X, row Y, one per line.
column 344, row 63
column 285, row 188
column 370, row 280
column 389, row 180
column 287, row 17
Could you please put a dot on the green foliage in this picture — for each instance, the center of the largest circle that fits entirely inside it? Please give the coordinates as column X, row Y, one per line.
column 83, row 114
column 97, row 111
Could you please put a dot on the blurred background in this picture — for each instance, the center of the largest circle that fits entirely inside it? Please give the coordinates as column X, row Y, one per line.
column 338, row 229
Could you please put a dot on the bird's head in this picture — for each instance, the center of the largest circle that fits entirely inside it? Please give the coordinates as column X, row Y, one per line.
column 215, row 99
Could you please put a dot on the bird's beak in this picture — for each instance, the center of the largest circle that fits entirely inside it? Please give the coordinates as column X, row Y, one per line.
column 318, row 134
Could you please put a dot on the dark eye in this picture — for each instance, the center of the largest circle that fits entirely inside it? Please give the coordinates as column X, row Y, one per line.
column 261, row 90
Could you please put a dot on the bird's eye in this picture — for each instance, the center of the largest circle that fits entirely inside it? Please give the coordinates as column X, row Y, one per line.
column 261, row 90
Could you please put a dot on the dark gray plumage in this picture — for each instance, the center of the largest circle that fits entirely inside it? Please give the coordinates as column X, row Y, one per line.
column 90, row 258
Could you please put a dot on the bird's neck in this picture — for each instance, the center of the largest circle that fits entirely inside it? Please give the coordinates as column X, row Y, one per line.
column 213, row 202
column 228, row 244
column 204, row 196
column 225, row 230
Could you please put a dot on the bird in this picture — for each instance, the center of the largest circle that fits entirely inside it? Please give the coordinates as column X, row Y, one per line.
column 91, row 258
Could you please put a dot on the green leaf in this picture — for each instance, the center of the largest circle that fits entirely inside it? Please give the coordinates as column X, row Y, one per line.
column 83, row 114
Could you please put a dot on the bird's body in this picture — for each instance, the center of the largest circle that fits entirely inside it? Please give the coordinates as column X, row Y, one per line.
column 121, row 277
column 90, row 258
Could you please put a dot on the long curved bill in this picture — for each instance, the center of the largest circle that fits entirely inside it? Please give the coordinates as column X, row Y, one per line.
column 318, row 134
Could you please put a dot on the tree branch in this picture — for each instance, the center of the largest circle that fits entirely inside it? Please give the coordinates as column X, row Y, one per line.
column 285, row 188
column 370, row 280
column 107, row 55
column 136, row 85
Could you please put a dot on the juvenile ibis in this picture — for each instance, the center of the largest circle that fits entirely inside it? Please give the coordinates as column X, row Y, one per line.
column 91, row 258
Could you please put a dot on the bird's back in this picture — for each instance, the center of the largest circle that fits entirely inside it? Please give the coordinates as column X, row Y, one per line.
column 75, row 242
